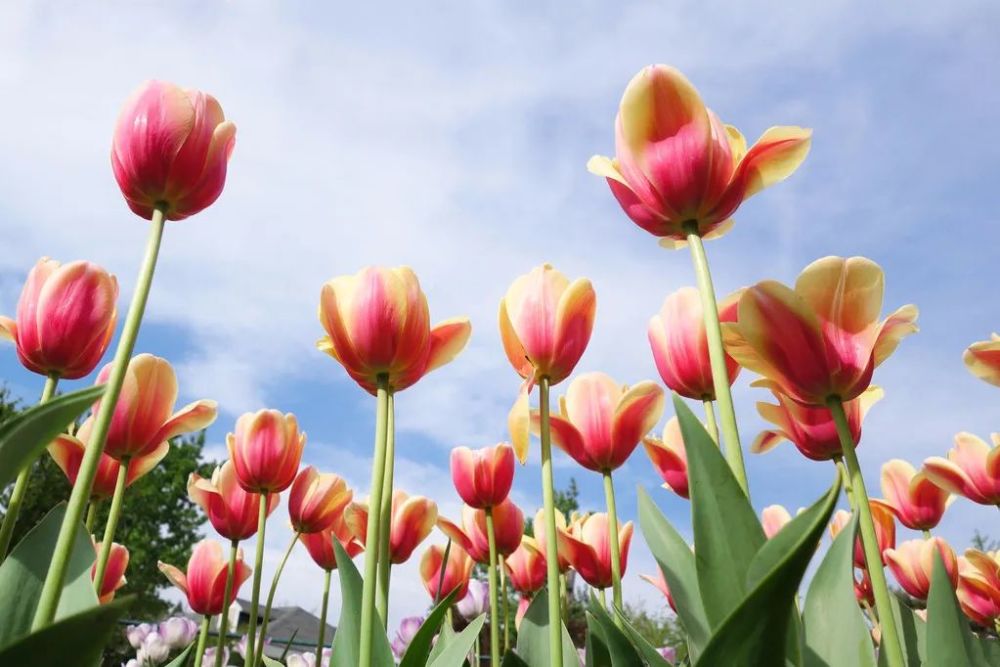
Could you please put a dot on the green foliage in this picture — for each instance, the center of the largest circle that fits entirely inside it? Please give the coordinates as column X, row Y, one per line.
column 533, row 637
column 420, row 646
column 347, row 641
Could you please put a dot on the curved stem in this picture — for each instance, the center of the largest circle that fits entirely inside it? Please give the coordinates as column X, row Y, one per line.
column 883, row 603
column 494, row 593
column 506, row 607
column 444, row 565
column 548, row 498
column 255, row 593
column 846, row 477
column 616, row 562
column 372, row 536
column 563, row 598
column 385, row 518
column 23, row 477
column 710, row 424
column 234, row 547
column 199, row 651
column 259, row 656
column 717, row 355
column 92, row 509
column 48, row 600
column 322, row 617
column 112, row 524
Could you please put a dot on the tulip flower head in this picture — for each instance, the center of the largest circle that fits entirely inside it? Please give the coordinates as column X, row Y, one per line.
column 912, row 563
column 538, row 530
column 669, row 457
column 67, row 451
column 526, row 567
column 320, row 545
column 317, row 500
column 916, row 501
column 114, row 575
column 773, row 518
column 483, row 477
column 979, row 586
column 408, row 628
column 457, row 571
column 972, row 469
column 65, row 318
column 885, row 530
column 676, row 165
column 508, row 526
column 413, row 519
column 680, row 345
column 587, row 545
column 266, row 449
column 378, row 324
column 232, row 511
column 476, row 602
column 178, row 631
column 661, row 585
column 170, row 150
column 863, row 592
column 983, row 359
column 822, row 340
column 811, row 428
column 204, row 584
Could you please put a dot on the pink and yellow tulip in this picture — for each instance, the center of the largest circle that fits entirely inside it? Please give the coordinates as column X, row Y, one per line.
column 483, row 477
column 587, row 545
column 916, row 501
column 265, row 450
column 773, row 518
column 912, row 563
column 457, row 571
column 983, row 359
column 231, row 510
column 317, row 500
column 538, row 529
column 669, row 457
column 320, row 545
column 204, row 584
column 413, row 519
column 979, row 586
column 885, row 530
column 526, row 567
column 67, row 451
column 972, row 469
column 508, row 524
column 114, row 574
column 661, row 585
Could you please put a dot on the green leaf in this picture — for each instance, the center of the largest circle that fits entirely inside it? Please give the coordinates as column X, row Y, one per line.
column 596, row 645
column 755, row 633
column 23, row 437
column 676, row 561
column 347, row 640
column 271, row 662
column 727, row 532
column 444, row 638
column 835, row 629
column 533, row 635
column 182, row 659
column 420, row 646
column 912, row 632
column 512, row 659
column 22, row 576
column 623, row 654
column 649, row 653
column 73, row 640
column 458, row 648
column 949, row 639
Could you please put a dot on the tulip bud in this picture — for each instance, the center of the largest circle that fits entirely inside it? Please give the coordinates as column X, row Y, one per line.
column 136, row 634
column 526, row 567
column 970, row 469
column 476, row 602
column 413, row 519
column 317, row 500
column 979, row 586
column 483, row 477
column 114, row 573
column 232, row 511
column 586, row 544
column 408, row 628
column 266, row 449
column 457, row 571
column 320, row 545
column 178, row 631
column 669, row 457
column 205, row 581
column 508, row 526
column 916, row 501
column 912, row 563
column 885, row 530
column 155, row 649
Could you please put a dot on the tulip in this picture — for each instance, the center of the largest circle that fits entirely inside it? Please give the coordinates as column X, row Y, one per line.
column 413, row 519
column 320, row 545
column 266, row 449
column 136, row 634
column 972, row 469
column 680, row 344
column 979, row 586
column 678, row 166
column 538, row 530
column 773, row 518
column 377, row 323
column 178, row 631
column 522, row 608
column 916, row 501
column 885, row 531
column 661, row 585
column 912, row 563
column 669, row 457
column 526, row 567
column 170, row 150
column 476, row 602
column 65, row 318
column 983, row 359
column 587, row 545
column 231, row 510
column 154, row 649
column 457, row 571
column 508, row 522
column 863, row 589
column 205, row 580
column 408, row 628
column 114, row 575
column 317, row 500
column 483, row 477
column 812, row 429
column 67, row 451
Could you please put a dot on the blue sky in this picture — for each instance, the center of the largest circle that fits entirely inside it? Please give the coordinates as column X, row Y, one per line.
column 454, row 139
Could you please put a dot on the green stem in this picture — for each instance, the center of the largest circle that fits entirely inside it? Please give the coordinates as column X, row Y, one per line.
column 717, row 356
column 234, row 547
column 616, row 563
column 563, row 598
column 927, row 534
column 548, row 499
column 322, row 617
column 604, row 597
column 112, row 525
column 258, row 563
column 199, row 651
column 506, row 607
column 372, row 537
column 444, row 564
column 846, row 477
column 48, row 600
column 385, row 517
column 710, row 423
column 23, row 477
column 494, row 593
column 92, row 509
column 259, row 656
column 475, row 654
column 869, row 541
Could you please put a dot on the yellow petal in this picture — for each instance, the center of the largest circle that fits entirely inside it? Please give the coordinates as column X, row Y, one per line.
column 600, row 165
column 519, row 424
column 775, row 157
column 894, row 329
column 846, row 292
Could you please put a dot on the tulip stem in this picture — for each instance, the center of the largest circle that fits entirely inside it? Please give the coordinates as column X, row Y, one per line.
column 112, row 524
column 259, row 655
column 846, row 477
column 494, row 593
column 927, row 534
column 255, row 592
column 92, row 508
column 710, row 424
column 322, row 617
column 548, row 498
column 23, row 477
column 372, row 536
column 234, row 547
column 385, row 516
column 563, row 598
column 199, row 652
column 717, row 355
column 506, row 606
column 444, row 563
column 613, row 541
column 48, row 599
column 883, row 603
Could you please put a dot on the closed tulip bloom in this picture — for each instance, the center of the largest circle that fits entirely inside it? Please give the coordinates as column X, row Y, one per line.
column 588, row 547
column 65, row 318
column 204, row 584
column 823, row 339
column 661, row 585
column 265, row 450
column 885, row 530
column 114, row 575
column 972, row 469
column 676, row 162
column 680, row 345
column 317, row 500
column 232, row 511
column 526, row 567
column 600, row 423
column 863, row 592
column 773, row 518
column 979, row 586
column 457, row 571
column 413, row 519
column 811, row 428
column 912, row 563
column 483, row 477
column 983, row 359
column 508, row 526
column 476, row 602
column 171, row 149
column 320, row 545
column 408, row 628
column 144, row 415
column 538, row 529
column 669, row 457
column 916, row 501
column 378, row 323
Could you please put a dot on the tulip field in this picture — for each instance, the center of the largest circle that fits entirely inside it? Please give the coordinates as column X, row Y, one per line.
column 820, row 587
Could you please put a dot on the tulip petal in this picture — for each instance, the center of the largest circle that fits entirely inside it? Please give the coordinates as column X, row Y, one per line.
column 897, row 326
column 773, row 158
column 192, row 417
column 566, row 437
column 766, row 441
column 599, row 165
column 176, row 577
column 983, row 360
column 512, row 346
column 519, row 425
column 637, row 412
column 574, row 322
column 8, row 329
column 448, row 339
column 140, row 465
column 454, row 533
column 845, row 292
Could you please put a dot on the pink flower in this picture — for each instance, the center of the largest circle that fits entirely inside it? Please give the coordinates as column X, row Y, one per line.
column 526, row 567
column 773, row 518
column 457, row 571
column 983, row 359
column 979, row 586
column 538, row 529
column 483, row 477
column 669, row 457
column 408, row 628
column 661, row 585
column 114, row 574
column 476, row 602
column 972, row 469
column 508, row 526
column 588, row 547
column 317, row 500
column 912, row 563
column 67, row 451
column 885, row 530
column 265, row 450
column 916, row 501
column 204, row 584
column 233, row 511
column 320, row 545
column 413, row 519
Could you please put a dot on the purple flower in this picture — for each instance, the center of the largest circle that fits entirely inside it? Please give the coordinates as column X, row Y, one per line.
column 476, row 601
column 407, row 630
column 178, row 631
